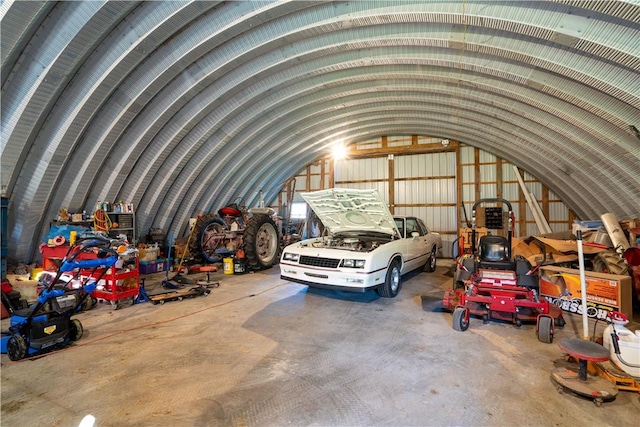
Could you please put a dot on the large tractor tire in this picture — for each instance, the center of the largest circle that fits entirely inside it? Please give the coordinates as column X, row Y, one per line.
column 261, row 242
column 208, row 235
column 610, row 262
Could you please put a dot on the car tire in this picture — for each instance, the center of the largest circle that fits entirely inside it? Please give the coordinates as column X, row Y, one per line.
column 392, row 282
column 430, row 266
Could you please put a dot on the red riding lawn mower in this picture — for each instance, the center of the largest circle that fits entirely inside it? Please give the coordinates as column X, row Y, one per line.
column 493, row 284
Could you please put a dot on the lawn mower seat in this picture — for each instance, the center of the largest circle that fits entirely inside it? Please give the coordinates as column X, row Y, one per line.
column 522, row 268
column 494, row 253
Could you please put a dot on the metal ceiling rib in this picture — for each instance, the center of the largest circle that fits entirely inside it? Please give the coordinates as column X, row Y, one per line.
column 312, row 65
column 166, row 104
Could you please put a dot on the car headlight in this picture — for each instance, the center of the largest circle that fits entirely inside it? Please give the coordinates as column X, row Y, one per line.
column 289, row 256
column 353, row 263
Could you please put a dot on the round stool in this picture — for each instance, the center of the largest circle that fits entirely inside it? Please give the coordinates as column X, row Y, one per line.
column 208, row 269
column 595, row 388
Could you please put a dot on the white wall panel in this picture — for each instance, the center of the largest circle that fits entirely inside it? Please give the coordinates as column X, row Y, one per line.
column 488, row 173
column 511, row 191
column 301, row 183
column 468, row 193
column 314, row 180
column 486, row 157
column 466, row 154
column 508, row 174
column 558, row 212
column 488, row 191
column 468, row 173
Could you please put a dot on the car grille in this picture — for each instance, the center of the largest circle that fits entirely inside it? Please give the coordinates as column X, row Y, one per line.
column 319, row 262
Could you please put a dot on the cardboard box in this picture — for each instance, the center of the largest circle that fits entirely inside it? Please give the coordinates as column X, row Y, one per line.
column 181, row 250
column 148, row 254
column 605, row 292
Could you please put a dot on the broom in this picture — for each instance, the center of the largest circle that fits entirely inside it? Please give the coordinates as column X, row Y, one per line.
column 179, row 277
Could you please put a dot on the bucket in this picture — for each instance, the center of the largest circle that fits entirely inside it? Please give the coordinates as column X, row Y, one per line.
column 629, row 345
column 240, row 266
column 228, row 265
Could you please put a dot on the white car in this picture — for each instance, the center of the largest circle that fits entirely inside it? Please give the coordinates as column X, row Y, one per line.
column 366, row 248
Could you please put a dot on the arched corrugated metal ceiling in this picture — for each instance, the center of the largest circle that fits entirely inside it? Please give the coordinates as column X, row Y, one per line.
column 180, row 107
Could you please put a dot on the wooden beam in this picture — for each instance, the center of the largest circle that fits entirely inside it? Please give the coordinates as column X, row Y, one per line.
column 392, row 185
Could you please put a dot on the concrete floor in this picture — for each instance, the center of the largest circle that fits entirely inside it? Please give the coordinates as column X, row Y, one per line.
column 259, row 351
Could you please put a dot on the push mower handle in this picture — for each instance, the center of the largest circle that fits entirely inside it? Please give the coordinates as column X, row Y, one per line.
column 70, row 265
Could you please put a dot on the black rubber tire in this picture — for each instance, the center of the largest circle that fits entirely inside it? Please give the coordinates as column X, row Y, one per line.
column 87, row 304
column 392, row 281
column 207, row 236
column 76, row 331
column 16, row 347
column 261, row 242
column 610, row 262
column 459, row 324
column 545, row 326
column 560, row 322
column 430, row 266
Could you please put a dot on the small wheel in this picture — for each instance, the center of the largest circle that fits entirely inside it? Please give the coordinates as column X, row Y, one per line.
column 560, row 388
column 87, row 304
column 206, row 293
column 179, row 298
column 161, row 301
column 16, row 347
column 560, row 322
column 75, row 330
column 459, row 322
column 485, row 319
column 518, row 323
column 545, row 330
column 598, row 401
column 115, row 304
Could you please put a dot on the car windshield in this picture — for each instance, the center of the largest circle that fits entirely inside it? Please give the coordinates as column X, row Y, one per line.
column 400, row 225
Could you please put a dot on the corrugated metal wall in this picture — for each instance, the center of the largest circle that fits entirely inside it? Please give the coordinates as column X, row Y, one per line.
column 427, row 185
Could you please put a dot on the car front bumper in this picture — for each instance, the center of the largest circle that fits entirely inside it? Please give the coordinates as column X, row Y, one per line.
column 337, row 279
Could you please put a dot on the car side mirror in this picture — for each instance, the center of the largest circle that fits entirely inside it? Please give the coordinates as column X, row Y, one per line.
column 415, row 234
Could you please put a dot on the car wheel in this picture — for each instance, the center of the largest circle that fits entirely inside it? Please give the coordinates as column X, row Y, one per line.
column 392, row 283
column 430, row 266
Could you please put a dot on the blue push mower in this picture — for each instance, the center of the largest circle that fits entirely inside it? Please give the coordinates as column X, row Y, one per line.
column 48, row 324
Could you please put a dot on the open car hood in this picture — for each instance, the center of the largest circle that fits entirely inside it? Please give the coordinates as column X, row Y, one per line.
column 347, row 209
